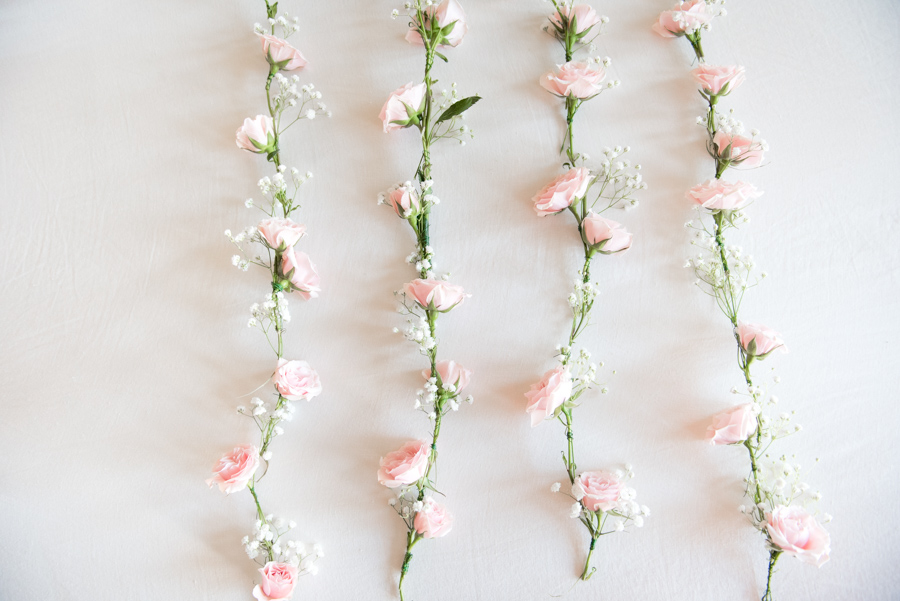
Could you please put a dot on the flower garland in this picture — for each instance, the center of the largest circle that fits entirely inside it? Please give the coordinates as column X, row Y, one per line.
column 724, row 272
column 603, row 501
column 410, row 470
column 282, row 561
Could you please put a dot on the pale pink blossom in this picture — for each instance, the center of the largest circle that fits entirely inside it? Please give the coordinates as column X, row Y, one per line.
column 435, row 294
column 797, row 533
column 738, row 149
column 278, row 582
column 451, row 372
column 406, row 465
column 296, row 380
column 720, row 195
column 684, row 18
column 281, row 54
column 403, row 106
column 598, row 230
column 718, row 81
column 405, row 201
column 578, row 80
column 598, row 491
column 301, row 272
column 281, row 234
column 234, row 471
column 584, row 15
column 734, row 425
column 548, row 394
column 433, row 520
column 256, row 135
column 440, row 16
column 559, row 194
column 758, row 340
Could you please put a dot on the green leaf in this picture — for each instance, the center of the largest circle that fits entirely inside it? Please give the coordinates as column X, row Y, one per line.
column 458, row 108
column 441, row 56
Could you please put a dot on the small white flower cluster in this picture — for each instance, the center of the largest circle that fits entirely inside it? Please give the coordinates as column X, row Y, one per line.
column 432, row 399
column 266, row 544
column 278, row 192
column 709, row 269
column 617, row 179
column 417, row 329
column 582, row 298
column 290, row 96
column 716, row 8
column 583, row 373
column 407, row 503
column 273, row 310
column 288, row 25
column 411, row 8
column 248, row 234
column 451, row 129
column 780, row 484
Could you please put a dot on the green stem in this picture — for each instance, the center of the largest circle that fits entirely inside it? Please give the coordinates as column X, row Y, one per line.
column 571, row 109
column 696, row 44
column 588, row 570
column 773, row 559
column 570, row 437
column 411, row 541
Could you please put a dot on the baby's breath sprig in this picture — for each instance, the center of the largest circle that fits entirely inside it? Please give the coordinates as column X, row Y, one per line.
column 587, row 190
column 780, row 500
column 437, row 115
column 272, row 245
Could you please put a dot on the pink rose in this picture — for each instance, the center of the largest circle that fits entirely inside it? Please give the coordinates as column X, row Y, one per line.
column 578, row 80
column 405, row 201
column 719, row 195
column 718, row 81
column 758, row 340
column 598, row 230
column 256, row 135
column 685, row 18
column 440, row 16
column 403, row 107
column 281, row 234
column 733, row 426
column 737, row 149
column 597, row 490
column 281, row 54
column 548, row 394
column 304, row 278
column 451, row 372
column 233, row 471
column 296, row 381
column 584, row 16
column 433, row 520
column 406, row 465
column 435, row 294
column 797, row 533
column 559, row 194
column 278, row 582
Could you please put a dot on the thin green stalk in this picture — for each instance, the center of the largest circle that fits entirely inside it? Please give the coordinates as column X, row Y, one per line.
column 588, row 570
column 773, row 559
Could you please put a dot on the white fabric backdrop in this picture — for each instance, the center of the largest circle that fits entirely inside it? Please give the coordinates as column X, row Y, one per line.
column 124, row 349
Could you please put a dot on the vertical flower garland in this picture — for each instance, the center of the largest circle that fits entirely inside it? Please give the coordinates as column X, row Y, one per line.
column 273, row 245
column 411, row 469
column 603, row 501
column 779, row 497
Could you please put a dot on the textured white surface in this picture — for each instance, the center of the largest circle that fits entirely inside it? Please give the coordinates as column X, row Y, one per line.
column 124, row 348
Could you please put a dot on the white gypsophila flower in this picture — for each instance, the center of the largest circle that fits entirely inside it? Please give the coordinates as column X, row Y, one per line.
column 575, row 510
column 555, row 487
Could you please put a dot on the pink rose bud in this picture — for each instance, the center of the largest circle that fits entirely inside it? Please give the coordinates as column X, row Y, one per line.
column 301, row 273
column 296, row 381
column 256, row 135
column 598, row 491
column 406, row 465
column 451, row 372
column 578, row 80
column 737, row 149
column 547, row 395
column 280, row 54
column 405, row 200
column 684, row 19
column 797, row 533
column 440, row 18
column 281, row 234
column 582, row 17
column 719, row 195
column 278, row 582
column 433, row 520
column 605, row 235
column 718, row 81
column 234, row 471
column 435, row 294
column 562, row 192
column 733, row 426
column 403, row 107
column 758, row 340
